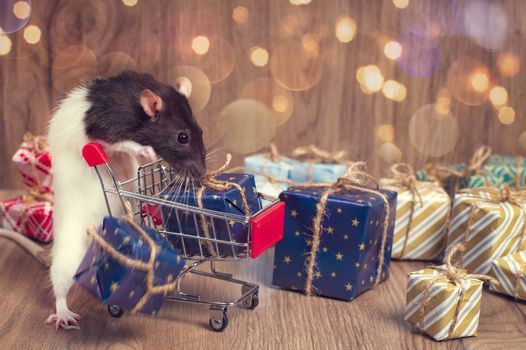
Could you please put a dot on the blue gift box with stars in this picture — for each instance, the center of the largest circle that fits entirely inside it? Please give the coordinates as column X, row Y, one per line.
column 228, row 201
column 117, row 284
column 352, row 229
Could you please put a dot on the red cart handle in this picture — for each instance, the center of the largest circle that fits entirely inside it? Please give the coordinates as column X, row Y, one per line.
column 94, row 154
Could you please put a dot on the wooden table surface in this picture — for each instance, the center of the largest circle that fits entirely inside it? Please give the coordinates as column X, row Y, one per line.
column 284, row 319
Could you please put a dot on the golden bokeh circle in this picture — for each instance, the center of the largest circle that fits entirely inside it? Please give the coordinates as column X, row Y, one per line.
column 390, row 152
column 293, row 68
column 201, row 86
column 468, row 80
column 432, row 133
column 280, row 100
column 72, row 66
column 246, row 125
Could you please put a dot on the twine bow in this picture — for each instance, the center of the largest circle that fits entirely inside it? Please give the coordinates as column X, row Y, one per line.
column 451, row 274
column 314, row 154
column 403, row 175
column 440, row 173
column 137, row 264
column 210, row 182
column 39, row 143
column 355, row 178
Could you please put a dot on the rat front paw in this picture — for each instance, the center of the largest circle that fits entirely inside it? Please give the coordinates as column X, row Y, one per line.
column 64, row 319
column 147, row 153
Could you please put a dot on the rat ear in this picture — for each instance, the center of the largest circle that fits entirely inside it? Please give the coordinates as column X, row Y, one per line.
column 151, row 103
column 183, row 86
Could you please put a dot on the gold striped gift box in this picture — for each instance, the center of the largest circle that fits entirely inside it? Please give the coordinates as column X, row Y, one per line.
column 441, row 308
column 420, row 226
column 510, row 271
column 490, row 223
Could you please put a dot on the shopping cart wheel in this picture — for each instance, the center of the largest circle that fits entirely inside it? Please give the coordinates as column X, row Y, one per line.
column 218, row 319
column 251, row 302
column 115, row 311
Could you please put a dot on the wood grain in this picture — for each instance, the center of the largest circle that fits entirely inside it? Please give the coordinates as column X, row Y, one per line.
column 82, row 39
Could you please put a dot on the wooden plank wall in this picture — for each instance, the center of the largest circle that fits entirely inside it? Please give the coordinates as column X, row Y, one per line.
column 85, row 38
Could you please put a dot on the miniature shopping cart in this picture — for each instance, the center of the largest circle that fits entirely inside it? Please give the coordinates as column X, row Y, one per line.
column 263, row 230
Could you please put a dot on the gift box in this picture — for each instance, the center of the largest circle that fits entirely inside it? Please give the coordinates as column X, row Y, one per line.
column 489, row 222
column 229, row 201
column 440, row 307
column 353, row 245
column 510, row 170
column 269, row 187
column 510, row 271
column 116, row 283
column 263, row 163
column 316, row 172
column 28, row 216
column 33, row 160
column 421, row 218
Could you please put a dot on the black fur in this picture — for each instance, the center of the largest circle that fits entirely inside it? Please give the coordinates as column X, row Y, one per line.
column 117, row 115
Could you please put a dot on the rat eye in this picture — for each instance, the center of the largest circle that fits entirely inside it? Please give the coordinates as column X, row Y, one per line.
column 183, row 138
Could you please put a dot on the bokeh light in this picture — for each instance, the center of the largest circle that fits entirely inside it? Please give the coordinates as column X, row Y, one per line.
column 22, row 9
column 385, row 133
column 345, row 29
column 73, row 65
column 506, row 115
column 200, row 44
column 310, row 43
column 201, row 85
column 266, row 90
column 32, row 34
column 300, row 2
column 479, row 81
column 5, row 44
column 431, row 133
column 115, row 62
column 394, row 90
column 508, row 64
column 443, row 102
column 390, row 152
column 246, row 125
column 147, row 54
column 498, row 96
column 393, row 50
column 487, row 23
column 468, row 80
column 294, row 69
column 401, row 4
column 373, row 80
column 240, row 15
column 130, row 3
column 259, row 56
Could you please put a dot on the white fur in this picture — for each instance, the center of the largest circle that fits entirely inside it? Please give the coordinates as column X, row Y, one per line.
column 79, row 201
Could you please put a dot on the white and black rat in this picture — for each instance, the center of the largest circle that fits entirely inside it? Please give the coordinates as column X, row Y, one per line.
column 133, row 116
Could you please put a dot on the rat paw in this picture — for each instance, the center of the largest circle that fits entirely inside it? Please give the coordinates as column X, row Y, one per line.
column 147, row 153
column 65, row 319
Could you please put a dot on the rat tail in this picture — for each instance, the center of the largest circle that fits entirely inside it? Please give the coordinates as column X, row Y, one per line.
column 41, row 254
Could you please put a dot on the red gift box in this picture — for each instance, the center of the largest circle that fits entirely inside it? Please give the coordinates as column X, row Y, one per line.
column 28, row 216
column 33, row 160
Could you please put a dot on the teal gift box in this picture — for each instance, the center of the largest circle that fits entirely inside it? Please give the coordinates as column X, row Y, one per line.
column 263, row 163
column 350, row 259
column 316, row 172
column 509, row 169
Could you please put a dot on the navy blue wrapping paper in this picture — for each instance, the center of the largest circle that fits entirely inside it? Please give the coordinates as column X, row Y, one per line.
column 350, row 241
column 228, row 201
column 117, row 284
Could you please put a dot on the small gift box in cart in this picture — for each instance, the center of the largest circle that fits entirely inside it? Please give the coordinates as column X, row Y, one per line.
column 263, row 229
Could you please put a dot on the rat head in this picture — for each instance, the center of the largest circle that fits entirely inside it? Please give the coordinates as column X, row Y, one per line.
column 171, row 129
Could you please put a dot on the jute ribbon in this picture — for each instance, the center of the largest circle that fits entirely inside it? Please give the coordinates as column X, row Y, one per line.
column 451, row 274
column 496, row 196
column 271, row 179
column 403, row 175
column 440, row 173
column 356, row 178
column 313, row 155
column 137, row 264
column 210, row 182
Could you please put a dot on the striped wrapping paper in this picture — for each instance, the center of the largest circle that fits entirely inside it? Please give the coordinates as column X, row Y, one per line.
column 426, row 237
column 442, row 303
column 510, row 271
column 497, row 228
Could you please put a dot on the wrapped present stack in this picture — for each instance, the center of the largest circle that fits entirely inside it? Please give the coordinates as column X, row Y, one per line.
column 510, row 271
column 119, row 269
column 32, row 214
column 422, row 214
column 337, row 238
column 444, row 301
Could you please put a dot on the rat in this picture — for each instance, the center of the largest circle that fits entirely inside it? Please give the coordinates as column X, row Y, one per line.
column 134, row 118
